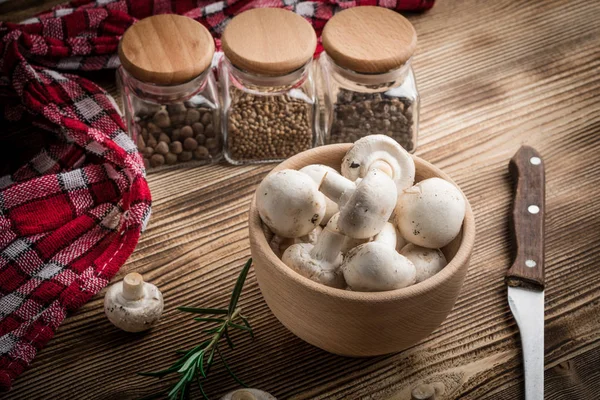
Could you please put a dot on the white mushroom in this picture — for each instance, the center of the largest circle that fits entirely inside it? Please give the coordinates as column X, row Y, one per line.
column 248, row 394
column 321, row 262
column 279, row 244
column 376, row 267
column 317, row 172
column 364, row 208
column 289, row 203
column 132, row 304
column 389, row 235
column 384, row 153
column 431, row 213
column 428, row 262
column 349, row 243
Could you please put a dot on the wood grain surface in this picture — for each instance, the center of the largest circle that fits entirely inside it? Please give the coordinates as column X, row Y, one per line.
column 348, row 39
column 166, row 49
column 527, row 219
column 269, row 41
column 493, row 76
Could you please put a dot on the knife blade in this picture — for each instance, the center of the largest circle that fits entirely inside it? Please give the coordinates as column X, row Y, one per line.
column 525, row 278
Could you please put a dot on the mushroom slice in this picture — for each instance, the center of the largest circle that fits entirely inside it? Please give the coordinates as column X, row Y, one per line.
column 377, row 267
column 428, row 262
column 317, row 172
column 364, row 208
column 384, row 153
column 321, row 262
column 132, row 304
column 289, row 203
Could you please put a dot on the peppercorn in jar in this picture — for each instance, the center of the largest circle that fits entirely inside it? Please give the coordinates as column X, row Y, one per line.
column 169, row 92
column 368, row 85
column 268, row 92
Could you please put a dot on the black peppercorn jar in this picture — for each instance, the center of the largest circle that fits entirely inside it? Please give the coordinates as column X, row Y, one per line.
column 169, row 93
column 367, row 81
column 268, row 92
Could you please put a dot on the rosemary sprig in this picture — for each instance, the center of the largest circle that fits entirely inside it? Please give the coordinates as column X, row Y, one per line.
column 196, row 362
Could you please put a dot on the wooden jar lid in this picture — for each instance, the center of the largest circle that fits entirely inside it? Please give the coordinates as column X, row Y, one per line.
column 269, row 41
column 166, row 49
column 369, row 39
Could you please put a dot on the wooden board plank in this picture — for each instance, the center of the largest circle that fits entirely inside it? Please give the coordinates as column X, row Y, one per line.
column 492, row 76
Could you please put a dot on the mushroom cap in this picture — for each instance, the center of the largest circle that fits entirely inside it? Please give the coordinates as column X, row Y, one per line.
column 289, row 203
column 248, row 394
column 133, row 315
column 361, row 157
column 376, row 267
column 369, row 207
column 298, row 258
column 317, row 172
column 428, row 262
column 349, row 243
column 431, row 213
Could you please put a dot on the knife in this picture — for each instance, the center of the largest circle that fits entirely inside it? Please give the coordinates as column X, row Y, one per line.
column 525, row 278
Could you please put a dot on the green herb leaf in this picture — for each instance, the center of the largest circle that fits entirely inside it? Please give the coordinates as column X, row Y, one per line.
column 201, row 388
column 238, row 380
column 243, row 328
column 237, row 290
column 248, row 325
column 190, row 361
column 195, row 310
column 228, row 339
column 209, row 319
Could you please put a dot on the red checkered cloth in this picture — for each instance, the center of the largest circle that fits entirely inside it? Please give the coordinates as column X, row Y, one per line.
column 71, row 216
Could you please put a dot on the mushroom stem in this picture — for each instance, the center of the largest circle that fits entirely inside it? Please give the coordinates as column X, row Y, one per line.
column 384, row 167
column 133, row 286
column 337, row 188
column 328, row 246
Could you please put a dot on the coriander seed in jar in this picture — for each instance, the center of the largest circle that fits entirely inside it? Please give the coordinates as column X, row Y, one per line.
column 169, row 92
column 368, row 84
column 268, row 90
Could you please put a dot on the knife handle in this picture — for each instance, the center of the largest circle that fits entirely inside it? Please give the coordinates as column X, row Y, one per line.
column 527, row 224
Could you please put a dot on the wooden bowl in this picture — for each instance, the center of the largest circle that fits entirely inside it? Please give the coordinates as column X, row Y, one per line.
column 358, row 324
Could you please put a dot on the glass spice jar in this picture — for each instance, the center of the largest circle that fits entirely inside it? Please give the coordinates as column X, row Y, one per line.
column 368, row 83
column 267, row 86
column 169, row 92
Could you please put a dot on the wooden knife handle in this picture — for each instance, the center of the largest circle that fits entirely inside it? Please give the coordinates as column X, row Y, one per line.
column 527, row 225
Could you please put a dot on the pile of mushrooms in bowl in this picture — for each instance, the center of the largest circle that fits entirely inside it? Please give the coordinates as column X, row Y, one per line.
column 360, row 249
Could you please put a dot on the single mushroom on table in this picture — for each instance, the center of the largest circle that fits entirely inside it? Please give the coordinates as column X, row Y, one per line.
column 132, row 304
column 377, row 267
column 383, row 153
column 289, row 203
column 320, row 262
column 430, row 214
column 248, row 394
column 364, row 208
column 428, row 262
column 317, row 172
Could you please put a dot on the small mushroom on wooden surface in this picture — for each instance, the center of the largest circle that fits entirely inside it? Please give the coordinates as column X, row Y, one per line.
column 428, row 262
column 383, row 153
column 289, row 203
column 248, row 394
column 132, row 304
column 424, row 391
column 317, row 172
column 431, row 213
column 320, row 262
column 377, row 267
column 364, row 208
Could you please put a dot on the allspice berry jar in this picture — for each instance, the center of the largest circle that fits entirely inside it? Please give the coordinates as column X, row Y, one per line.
column 169, row 92
column 367, row 80
column 268, row 91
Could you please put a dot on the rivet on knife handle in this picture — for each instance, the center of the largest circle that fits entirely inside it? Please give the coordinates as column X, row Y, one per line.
column 527, row 170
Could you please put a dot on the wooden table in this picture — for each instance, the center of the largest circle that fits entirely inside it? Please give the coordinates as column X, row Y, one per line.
column 493, row 76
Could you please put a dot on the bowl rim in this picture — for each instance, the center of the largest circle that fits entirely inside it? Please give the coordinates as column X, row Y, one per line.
column 459, row 261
